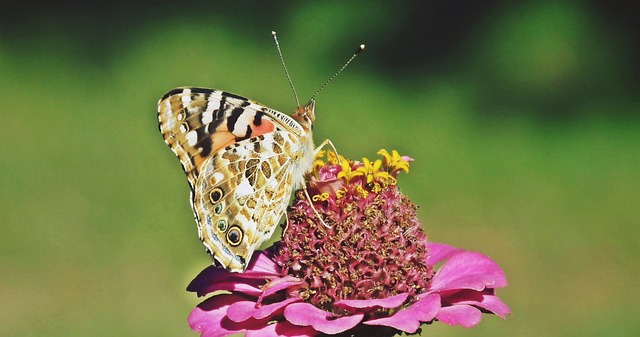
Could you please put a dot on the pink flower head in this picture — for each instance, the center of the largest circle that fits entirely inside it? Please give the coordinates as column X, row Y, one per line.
column 366, row 268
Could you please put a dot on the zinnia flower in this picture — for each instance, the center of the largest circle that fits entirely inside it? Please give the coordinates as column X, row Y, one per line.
column 354, row 261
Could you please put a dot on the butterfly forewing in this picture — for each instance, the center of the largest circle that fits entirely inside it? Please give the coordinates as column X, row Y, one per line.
column 241, row 161
column 198, row 122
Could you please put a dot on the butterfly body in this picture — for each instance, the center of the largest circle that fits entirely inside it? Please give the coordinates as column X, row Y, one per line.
column 242, row 161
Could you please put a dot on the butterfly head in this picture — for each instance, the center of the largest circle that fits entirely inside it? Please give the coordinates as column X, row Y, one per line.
column 305, row 115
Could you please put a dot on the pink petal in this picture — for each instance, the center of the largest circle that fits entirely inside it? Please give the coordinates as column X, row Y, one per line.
column 249, row 287
column 485, row 300
column 262, row 266
column 207, row 276
column 284, row 329
column 243, row 310
column 493, row 304
column 389, row 302
column 278, row 284
column 330, row 186
column 213, row 279
column 440, row 251
column 468, row 270
column 410, row 318
column 209, row 317
column 464, row 315
column 305, row 314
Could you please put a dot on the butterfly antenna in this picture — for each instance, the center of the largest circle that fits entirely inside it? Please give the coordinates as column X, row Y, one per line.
column 358, row 51
column 295, row 94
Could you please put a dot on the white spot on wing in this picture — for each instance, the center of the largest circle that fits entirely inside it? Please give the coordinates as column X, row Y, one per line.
column 267, row 144
column 234, row 101
column 242, row 151
column 244, row 188
column 167, row 107
column 217, row 177
column 207, row 117
column 186, row 97
column 192, row 138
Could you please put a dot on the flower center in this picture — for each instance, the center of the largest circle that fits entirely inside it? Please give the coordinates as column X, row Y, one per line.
column 371, row 247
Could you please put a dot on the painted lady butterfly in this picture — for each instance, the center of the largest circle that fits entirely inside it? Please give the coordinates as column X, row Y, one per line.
column 242, row 161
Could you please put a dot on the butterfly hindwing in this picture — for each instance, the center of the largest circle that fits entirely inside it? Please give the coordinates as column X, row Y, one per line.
column 240, row 194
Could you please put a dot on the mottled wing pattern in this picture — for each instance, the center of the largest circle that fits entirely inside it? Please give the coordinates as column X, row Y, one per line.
column 198, row 122
column 241, row 194
column 240, row 159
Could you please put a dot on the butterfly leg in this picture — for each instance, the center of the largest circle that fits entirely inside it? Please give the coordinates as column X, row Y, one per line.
column 286, row 221
column 325, row 143
column 306, row 193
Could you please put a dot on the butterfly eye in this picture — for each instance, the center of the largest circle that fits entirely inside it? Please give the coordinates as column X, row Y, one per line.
column 218, row 208
column 234, row 236
column 216, row 194
column 222, row 225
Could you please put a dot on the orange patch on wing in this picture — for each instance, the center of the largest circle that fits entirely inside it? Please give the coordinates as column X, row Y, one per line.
column 197, row 161
column 265, row 127
column 219, row 140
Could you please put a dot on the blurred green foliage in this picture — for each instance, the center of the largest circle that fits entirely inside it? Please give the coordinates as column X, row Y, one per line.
column 522, row 119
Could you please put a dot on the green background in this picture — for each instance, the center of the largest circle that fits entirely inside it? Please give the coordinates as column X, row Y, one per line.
column 523, row 121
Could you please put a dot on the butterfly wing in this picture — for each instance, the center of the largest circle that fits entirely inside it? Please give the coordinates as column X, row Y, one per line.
column 240, row 195
column 239, row 157
column 198, row 122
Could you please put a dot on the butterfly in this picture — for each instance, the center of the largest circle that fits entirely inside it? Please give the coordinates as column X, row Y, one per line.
column 242, row 161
